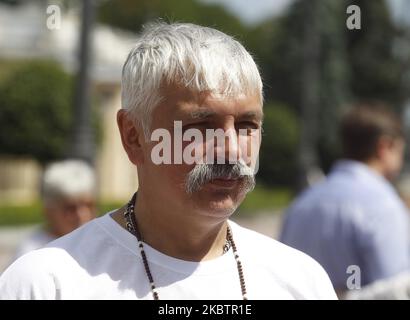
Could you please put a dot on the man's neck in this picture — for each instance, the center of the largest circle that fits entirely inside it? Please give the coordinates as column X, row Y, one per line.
column 180, row 236
column 377, row 166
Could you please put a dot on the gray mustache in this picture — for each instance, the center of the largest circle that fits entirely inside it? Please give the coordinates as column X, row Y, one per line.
column 201, row 174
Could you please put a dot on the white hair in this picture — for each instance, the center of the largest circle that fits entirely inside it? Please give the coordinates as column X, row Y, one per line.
column 69, row 178
column 191, row 56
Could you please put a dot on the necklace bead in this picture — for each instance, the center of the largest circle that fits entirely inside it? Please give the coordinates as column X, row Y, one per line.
column 132, row 227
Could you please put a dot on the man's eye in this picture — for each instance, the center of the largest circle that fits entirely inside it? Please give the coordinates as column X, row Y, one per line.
column 247, row 125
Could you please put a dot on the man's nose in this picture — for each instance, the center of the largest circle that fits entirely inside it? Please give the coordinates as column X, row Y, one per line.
column 82, row 213
column 229, row 151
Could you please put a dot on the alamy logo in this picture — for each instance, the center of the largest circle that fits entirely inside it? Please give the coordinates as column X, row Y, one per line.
column 354, row 280
column 53, row 17
column 354, row 20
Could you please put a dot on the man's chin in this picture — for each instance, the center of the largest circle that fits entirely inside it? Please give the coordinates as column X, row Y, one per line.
column 218, row 210
column 219, row 202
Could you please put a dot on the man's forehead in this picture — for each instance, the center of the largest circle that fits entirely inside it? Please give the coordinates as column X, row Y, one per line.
column 179, row 92
column 208, row 104
column 79, row 197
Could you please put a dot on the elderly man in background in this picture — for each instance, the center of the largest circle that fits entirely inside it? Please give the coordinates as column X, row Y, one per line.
column 68, row 197
column 354, row 223
column 174, row 239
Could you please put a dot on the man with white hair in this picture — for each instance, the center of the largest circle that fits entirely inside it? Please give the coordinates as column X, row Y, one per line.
column 68, row 196
column 174, row 239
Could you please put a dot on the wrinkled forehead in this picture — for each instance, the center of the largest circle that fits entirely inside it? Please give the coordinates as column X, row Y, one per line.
column 72, row 199
column 178, row 101
column 178, row 92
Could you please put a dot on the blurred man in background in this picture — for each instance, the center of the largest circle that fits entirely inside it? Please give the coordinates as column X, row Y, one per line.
column 68, row 194
column 355, row 220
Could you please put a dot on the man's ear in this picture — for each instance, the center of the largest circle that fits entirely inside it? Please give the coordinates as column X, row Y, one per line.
column 131, row 137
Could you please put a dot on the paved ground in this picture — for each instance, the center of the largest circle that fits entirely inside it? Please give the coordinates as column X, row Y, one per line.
column 267, row 223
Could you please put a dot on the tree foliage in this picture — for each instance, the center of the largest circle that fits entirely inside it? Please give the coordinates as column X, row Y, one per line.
column 354, row 64
column 375, row 70
column 35, row 111
column 131, row 15
column 277, row 160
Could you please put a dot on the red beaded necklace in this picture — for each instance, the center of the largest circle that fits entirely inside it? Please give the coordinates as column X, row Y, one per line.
column 132, row 227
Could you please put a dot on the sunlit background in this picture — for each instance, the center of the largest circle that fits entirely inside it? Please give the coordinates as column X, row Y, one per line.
column 60, row 90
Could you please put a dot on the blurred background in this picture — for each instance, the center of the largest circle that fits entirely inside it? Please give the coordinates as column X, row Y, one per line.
column 60, row 69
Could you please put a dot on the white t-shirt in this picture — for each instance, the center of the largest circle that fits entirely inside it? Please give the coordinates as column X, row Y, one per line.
column 101, row 260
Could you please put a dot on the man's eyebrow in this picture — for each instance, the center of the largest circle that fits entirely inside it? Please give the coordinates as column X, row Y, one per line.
column 202, row 114
column 253, row 115
column 205, row 114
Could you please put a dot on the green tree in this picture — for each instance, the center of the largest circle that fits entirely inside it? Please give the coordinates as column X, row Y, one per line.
column 131, row 15
column 375, row 70
column 277, row 161
column 35, row 111
column 351, row 64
